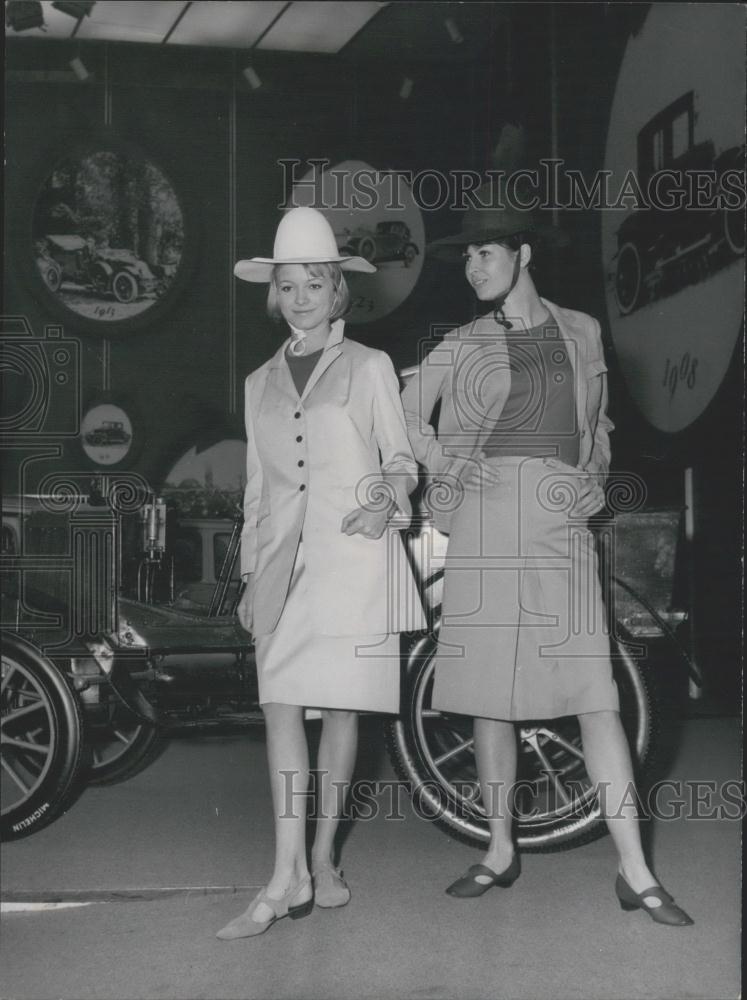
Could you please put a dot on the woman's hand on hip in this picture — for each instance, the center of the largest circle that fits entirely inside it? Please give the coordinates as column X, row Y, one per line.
column 481, row 474
column 369, row 523
column 244, row 608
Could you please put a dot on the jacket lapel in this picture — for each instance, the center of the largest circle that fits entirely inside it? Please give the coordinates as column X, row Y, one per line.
column 576, row 355
column 279, row 378
column 331, row 352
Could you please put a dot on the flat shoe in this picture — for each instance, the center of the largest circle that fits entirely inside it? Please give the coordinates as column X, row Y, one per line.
column 667, row 913
column 468, row 887
column 330, row 888
column 246, row 926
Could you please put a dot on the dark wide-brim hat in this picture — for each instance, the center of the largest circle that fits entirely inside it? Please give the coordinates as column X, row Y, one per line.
column 496, row 213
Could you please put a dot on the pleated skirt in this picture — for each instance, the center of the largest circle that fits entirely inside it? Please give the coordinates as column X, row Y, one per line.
column 298, row 666
column 524, row 633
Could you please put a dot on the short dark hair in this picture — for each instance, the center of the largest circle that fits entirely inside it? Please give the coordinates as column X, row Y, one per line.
column 516, row 240
column 328, row 269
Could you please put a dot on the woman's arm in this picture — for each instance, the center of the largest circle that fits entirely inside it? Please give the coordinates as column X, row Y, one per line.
column 590, row 498
column 600, row 424
column 398, row 466
column 252, row 492
column 419, row 398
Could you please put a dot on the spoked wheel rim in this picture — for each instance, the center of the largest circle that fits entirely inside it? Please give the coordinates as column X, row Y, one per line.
column 109, row 746
column 628, row 278
column 124, row 287
column 120, row 743
column 52, row 277
column 554, row 802
column 28, row 734
column 367, row 249
column 734, row 230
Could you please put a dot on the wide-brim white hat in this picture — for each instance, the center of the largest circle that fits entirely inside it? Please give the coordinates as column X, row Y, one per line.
column 304, row 236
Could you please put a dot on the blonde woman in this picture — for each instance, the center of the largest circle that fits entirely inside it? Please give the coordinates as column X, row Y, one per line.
column 329, row 467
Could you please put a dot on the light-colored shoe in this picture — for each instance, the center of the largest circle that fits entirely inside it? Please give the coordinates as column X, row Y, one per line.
column 330, row 888
column 287, row 906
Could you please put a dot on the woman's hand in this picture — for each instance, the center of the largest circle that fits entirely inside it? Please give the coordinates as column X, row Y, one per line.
column 369, row 523
column 244, row 608
column 590, row 499
column 480, row 475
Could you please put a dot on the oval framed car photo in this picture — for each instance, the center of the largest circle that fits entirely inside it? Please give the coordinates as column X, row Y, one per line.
column 106, row 237
column 110, row 432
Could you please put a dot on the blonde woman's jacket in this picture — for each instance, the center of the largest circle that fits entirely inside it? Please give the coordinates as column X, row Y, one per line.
column 310, row 461
column 467, row 373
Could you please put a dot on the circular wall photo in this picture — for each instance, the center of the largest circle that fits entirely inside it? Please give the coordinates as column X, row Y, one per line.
column 673, row 251
column 108, row 235
column 374, row 216
column 106, row 434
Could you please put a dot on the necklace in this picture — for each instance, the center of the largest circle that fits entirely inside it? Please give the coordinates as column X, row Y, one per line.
column 297, row 346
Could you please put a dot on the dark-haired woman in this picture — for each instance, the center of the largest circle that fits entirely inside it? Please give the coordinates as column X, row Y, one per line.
column 523, row 447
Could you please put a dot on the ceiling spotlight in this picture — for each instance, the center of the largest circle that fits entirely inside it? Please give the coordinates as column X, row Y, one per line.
column 406, row 89
column 22, row 15
column 79, row 68
column 252, row 77
column 76, row 10
column 454, row 33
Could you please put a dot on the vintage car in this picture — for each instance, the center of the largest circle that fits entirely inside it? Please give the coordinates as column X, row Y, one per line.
column 660, row 249
column 107, row 433
column 388, row 241
column 109, row 272
column 99, row 667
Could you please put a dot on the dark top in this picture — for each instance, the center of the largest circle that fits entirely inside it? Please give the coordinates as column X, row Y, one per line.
column 539, row 416
column 301, row 368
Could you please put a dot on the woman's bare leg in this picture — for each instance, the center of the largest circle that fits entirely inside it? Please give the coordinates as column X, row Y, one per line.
column 288, row 762
column 336, row 761
column 496, row 757
column 610, row 768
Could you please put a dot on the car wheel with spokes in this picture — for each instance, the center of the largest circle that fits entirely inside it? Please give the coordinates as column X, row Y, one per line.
column 555, row 806
column 52, row 276
column 41, row 740
column 628, row 278
column 124, row 287
column 121, row 749
column 367, row 248
column 733, row 222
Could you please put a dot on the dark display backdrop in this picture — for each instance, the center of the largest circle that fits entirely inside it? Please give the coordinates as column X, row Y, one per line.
column 184, row 374
column 221, row 149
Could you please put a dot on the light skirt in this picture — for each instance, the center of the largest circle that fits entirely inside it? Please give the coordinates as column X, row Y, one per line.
column 524, row 632
column 298, row 666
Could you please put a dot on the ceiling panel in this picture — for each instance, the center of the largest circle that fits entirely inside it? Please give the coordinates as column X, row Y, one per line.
column 318, row 27
column 235, row 25
column 130, row 22
column 392, row 32
column 58, row 25
column 421, row 30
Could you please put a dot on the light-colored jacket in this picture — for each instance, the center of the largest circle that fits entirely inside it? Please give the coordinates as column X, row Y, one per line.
column 310, row 461
column 467, row 373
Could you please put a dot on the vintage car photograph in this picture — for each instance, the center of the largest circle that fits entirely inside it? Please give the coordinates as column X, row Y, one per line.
column 661, row 250
column 69, row 264
column 108, row 233
column 108, row 432
column 387, row 241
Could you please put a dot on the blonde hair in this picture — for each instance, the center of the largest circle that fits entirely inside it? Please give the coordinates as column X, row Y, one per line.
column 327, row 269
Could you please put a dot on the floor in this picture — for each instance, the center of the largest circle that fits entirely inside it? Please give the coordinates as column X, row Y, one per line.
column 156, row 865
